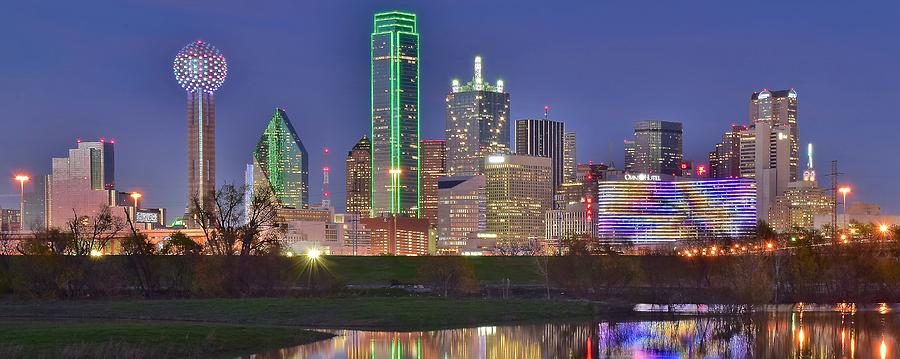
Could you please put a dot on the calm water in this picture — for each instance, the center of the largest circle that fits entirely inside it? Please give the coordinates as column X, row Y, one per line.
column 785, row 334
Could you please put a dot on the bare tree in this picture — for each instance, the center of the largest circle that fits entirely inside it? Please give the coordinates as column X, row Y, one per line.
column 93, row 233
column 234, row 227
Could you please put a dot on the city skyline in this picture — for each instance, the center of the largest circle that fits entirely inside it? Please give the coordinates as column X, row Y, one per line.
column 157, row 118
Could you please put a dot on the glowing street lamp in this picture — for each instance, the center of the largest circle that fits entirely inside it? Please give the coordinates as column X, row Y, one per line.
column 135, row 196
column 22, row 179
column 844, row 191
column 313, row 254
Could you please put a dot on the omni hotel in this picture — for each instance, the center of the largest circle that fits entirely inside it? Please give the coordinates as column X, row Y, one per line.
column 647, row 209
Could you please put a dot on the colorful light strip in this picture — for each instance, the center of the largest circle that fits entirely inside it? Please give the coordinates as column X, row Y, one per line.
column 659, row 211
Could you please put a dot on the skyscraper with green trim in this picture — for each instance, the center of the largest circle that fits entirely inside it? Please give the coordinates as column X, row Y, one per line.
column 281, row 163
column 395, row 115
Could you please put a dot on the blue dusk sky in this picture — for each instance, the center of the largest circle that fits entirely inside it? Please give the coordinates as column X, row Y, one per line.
column 90, row 69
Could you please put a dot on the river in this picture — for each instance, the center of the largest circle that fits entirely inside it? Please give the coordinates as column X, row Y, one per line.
column 833, row 332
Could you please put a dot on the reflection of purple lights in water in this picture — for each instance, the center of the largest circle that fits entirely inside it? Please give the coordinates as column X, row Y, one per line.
column 862, row 334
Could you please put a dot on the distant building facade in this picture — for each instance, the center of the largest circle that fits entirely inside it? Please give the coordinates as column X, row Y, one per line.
column 399, row 236
column 434, row 161
column 779, row 110
column 519, row 191
column 462, row 211
column 543, row 138
column 725, row 159
column 359, row 176
column 82, row 183
column 658, row 147
column 477, row 123
column 570, row 160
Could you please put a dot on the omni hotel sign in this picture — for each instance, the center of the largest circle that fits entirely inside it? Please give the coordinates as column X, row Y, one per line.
column 642, row 177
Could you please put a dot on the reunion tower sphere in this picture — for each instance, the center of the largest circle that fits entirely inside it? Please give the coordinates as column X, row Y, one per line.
column 200, row 66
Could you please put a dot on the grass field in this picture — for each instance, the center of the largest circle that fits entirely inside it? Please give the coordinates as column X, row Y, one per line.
column 92, row 339
column 397, row 313
column 382, row 270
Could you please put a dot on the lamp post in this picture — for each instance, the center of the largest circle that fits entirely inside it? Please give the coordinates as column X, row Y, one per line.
column 135, row 196
column 21, row 178
column 844, row 191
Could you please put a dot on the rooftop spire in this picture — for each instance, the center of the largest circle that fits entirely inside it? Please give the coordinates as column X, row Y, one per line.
column 479, row 81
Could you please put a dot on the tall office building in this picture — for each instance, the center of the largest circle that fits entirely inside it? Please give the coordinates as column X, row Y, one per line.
column 395, row 115
column 461, row 211
column 658, row 147
column 82, row 183
column 569, row 159
column 779, row 108
column 518, row 191
column 798, row 206
column 35, row 216
column 200, row 69
column 434, row 160
column 281, row 163
column 477, row 123
column 629, row 155
column 725, row 160
column 359, row 176
column 543, row 138
column 398, row 236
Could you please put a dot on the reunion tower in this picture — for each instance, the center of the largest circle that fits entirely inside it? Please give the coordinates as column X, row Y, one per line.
column 200, row 69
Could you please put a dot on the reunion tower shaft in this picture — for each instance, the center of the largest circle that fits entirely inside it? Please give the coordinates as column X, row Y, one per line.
column 200, row 69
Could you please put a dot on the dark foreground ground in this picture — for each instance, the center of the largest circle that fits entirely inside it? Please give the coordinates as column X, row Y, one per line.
column 228, row 327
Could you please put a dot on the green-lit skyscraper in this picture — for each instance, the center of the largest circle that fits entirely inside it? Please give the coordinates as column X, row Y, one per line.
column 280, row 162
column 395, row 114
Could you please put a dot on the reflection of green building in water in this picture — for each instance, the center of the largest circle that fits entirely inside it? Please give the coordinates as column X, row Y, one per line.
column 281, row 163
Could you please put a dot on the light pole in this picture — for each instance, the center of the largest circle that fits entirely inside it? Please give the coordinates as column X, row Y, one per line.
column 22, row 179
column 135, row 196
column 844, row 191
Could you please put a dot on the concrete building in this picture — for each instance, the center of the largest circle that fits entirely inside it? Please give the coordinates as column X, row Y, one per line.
column 82, row 182
column 570, row 160
column 779, row 108
column 561, row 224
column 658, row 147
column 519, row 191
column 771, row 148
column 629, row 155
column 434, row 161
column 801, row 202
column 477, row 123
column 10, row 220
column 35, row 216
column 461, row 211
column 725, row 159
column 399, row 236
column 543, row 138
column 395, row 115
column 359, row 177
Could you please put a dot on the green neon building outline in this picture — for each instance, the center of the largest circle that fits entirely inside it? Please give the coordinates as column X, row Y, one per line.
column 394, row 30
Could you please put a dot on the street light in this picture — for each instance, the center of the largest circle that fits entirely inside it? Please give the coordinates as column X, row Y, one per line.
column 844, row 191
column 22, row 179
column 135, row 196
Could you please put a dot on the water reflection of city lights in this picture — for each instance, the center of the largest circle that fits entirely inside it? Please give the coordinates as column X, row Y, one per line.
column 883, row 349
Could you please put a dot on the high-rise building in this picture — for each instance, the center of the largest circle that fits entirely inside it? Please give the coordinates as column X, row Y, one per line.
column 771, row 162
column 569, row 159
column 35, row 216
column 543, row 138
column 629, row 155
column 82, row 183
column 519, row 191
column 434, row 160
column 461, row 211
column 477, row 123
column 395, row 114
column 10, row 220
column 359, row 177
column 200, row 69
column 779, row 108
column 725, row 160
column 281, row 163
column 658, row 147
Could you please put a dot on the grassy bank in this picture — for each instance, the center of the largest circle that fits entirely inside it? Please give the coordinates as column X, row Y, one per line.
column 399, row 313
column 92, row 339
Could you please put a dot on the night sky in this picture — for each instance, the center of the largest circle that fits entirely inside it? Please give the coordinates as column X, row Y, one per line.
column 75, row 69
